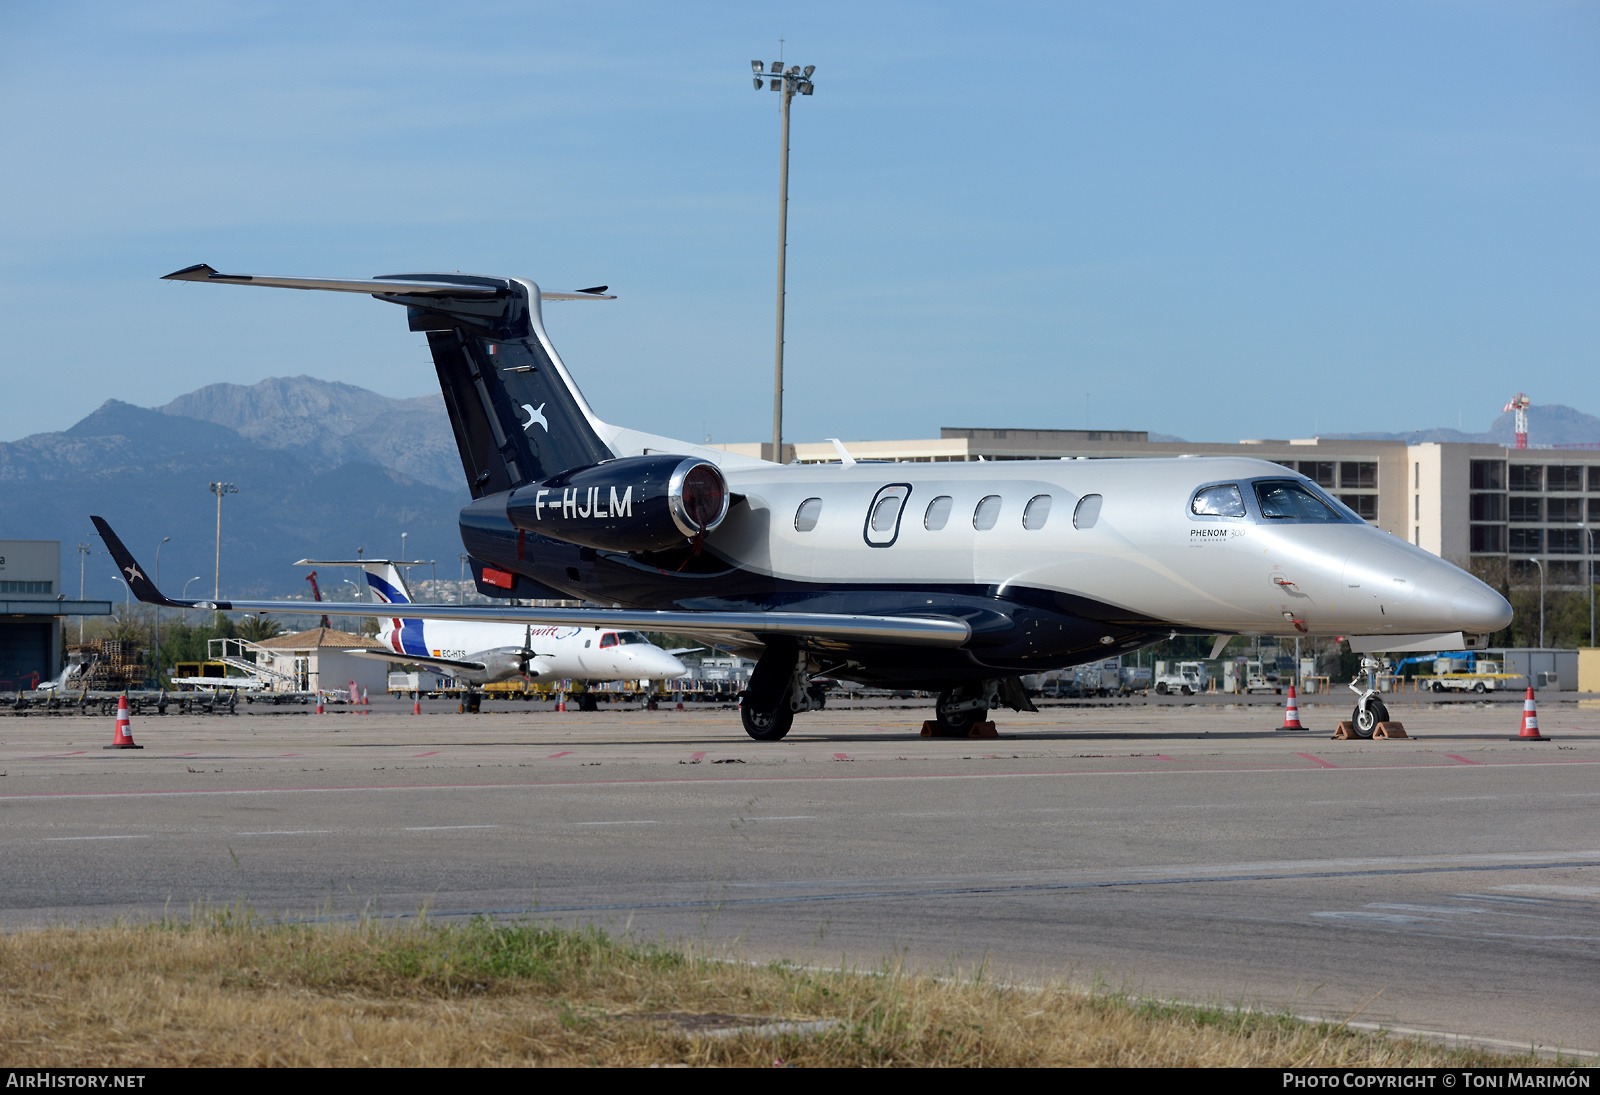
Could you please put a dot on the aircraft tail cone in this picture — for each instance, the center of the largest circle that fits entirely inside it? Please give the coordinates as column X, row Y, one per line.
column 1530, row 721
column 1291, row 712
column 123, row 738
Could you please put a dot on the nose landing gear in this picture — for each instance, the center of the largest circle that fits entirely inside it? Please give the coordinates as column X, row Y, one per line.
column 1369, row 710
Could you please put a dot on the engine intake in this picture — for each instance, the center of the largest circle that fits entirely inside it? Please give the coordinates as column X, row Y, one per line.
column 638, row 503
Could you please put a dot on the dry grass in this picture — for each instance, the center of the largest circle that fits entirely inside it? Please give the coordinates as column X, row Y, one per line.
column 229, row 990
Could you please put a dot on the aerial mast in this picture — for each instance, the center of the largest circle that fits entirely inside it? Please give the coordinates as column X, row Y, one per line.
column 1520, row 405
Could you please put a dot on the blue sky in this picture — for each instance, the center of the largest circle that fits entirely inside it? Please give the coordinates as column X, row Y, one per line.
column 1211, row 220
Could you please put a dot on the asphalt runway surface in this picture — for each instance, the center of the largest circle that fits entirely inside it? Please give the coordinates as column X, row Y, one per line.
column 1445, row 883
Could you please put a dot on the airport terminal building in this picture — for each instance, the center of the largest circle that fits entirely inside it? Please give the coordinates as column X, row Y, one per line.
column 1487, row 505
column 32, row 608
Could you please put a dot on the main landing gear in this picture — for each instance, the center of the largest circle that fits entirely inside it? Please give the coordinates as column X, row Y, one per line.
column 958, row 709
column 780, row 686
column 1370, row 710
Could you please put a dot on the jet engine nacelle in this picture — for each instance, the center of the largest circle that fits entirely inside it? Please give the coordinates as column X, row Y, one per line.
column 638, row 503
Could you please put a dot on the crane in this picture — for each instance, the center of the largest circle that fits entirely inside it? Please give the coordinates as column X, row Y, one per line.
column 316, row 594
column 1520, row 405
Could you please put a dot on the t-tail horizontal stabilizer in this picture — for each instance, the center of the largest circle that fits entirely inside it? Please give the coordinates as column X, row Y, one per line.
column 934, row 631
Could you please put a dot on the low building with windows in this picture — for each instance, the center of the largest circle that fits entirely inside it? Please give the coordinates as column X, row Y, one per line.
column 1481, row 506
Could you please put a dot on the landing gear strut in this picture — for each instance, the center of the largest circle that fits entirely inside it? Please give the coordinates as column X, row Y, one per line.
column 1369, row 710
column 958, row 709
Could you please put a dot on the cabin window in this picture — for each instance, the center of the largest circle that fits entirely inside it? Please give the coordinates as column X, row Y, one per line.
column 608, row 639
column 987, row 513
column 1287, row 500
column 938, row 514
column 885, row 513
column 805, row 518
column 1087, row 511
column 1037, row 513
column 1222, row 501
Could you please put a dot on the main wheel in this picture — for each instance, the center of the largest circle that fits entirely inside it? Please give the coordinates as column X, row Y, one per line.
column 1366, row 720
column 1478, row 687
column 1161, row 688
column 1187, row 691
column 587, row 702
column 957, row 724
column 768, row 726
column 1438, row 686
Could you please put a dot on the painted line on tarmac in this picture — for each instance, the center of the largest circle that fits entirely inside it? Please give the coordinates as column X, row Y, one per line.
column 585, row 823
column 557, row 756
column 286, row 832
column 119, row 836
column 1463, row 760
column 732, row 779
column 948, row 891
column 435, row 753
column 442, row 828
column 1317, row 760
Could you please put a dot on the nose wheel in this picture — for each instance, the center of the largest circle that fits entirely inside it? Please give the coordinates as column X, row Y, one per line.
column 1366, row 717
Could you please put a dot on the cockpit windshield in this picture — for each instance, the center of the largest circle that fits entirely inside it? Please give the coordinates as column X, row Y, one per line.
column 1292, row 500
column 1223, row 500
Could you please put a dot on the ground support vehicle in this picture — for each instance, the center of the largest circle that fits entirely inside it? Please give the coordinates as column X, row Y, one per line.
column 1185, row 678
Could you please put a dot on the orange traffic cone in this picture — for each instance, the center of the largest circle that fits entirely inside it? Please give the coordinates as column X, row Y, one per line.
column 319, row 705
column 124, row 734
column 1530, row 721
column 416, row 706
column 1291, row 712
column 561, row 701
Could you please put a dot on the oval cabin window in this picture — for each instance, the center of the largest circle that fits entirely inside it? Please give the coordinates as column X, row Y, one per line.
column 938, row 514
column 1037, row 513
column 805, row 518
column 987, row 513
column 1088, row 511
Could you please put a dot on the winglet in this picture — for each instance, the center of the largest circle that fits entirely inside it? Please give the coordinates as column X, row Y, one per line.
column 142, row 587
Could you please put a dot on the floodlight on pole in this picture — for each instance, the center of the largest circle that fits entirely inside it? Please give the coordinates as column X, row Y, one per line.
column 219, row 489
column 164, row 541
column 789, row 82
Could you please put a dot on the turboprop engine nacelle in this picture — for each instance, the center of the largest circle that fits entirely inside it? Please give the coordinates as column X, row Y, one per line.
column 638, row 503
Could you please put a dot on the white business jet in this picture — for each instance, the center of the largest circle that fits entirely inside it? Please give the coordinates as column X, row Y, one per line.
column 952, row 578
column 483, row 653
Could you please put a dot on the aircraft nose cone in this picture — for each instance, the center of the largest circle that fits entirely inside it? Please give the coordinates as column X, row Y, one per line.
column 1478, row 608
column 655, row 664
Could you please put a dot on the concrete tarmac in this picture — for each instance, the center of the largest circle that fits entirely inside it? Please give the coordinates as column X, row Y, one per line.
column 1449, row 882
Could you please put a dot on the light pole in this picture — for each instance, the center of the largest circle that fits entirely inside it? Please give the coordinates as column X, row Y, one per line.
column 1540, row 565
column 219, row 489
column 164, row 539
column 788, row 82
column 403, row 536
column 83, row 555
column 1589, row 564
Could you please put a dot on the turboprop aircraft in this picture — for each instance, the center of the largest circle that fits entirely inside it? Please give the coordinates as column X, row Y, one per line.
column 954, row 578
column 482, row 653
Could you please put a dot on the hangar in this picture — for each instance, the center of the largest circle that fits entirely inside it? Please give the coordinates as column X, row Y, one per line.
column 32, row 606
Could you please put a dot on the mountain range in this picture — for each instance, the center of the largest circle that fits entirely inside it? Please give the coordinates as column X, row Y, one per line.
column 1548, row 424
column 322, row 470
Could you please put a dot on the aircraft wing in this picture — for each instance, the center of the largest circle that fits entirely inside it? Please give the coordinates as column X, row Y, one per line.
column 933, row 631
column 453, row 664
